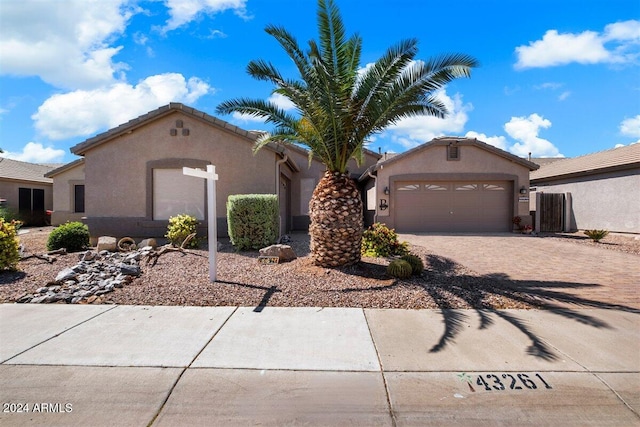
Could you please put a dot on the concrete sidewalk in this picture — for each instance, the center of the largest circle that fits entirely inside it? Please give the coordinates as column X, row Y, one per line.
column 165, row 366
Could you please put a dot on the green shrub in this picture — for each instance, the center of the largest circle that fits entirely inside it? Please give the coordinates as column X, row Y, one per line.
column 180, row 227
column 9, row 250
column 399, row 268
column 596, row 235
column 73, row 236
column 417, row 266
column 8, row 215
column 252, row 220
column 381, row 241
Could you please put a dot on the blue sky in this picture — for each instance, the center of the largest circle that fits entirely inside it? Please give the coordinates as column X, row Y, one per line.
column 557, row 78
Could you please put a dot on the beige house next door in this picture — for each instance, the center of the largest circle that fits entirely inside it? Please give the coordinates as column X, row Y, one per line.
column 434, row 206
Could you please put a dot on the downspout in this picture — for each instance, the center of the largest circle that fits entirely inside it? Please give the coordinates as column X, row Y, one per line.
column 278, row 163
column 375, row 185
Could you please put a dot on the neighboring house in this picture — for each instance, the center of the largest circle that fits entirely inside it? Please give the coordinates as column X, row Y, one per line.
column 24, row 189
column 604, row 188
column 449, row 185
column 130, row 181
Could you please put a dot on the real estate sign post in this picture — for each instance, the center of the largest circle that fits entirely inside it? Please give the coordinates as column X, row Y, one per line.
column 211, row 177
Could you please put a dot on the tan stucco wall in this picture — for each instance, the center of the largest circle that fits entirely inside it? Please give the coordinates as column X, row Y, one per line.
column 431, row 163
column 63, row 194
column 607, row 201
column 117, row 172
column 9, row 190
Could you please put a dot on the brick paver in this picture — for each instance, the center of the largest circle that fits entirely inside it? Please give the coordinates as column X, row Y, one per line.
column 590, row 273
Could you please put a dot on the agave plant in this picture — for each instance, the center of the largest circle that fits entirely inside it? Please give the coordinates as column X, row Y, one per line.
column 339, row 105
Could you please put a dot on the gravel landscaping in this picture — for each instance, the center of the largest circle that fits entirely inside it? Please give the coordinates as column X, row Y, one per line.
column 182, row 279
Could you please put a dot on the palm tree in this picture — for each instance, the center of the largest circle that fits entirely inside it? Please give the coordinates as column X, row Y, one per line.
column 339, row 105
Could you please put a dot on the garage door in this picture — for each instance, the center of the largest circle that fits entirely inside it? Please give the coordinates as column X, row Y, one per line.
column 453, row 206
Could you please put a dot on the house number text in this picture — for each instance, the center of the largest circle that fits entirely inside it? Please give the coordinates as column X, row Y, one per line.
column 512, row 381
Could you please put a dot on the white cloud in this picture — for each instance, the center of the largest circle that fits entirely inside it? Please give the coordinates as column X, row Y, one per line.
column 182, row 12
column 564, row 95
column 413, row 131
column 631, row 127
column 65, row 45
column 524, row 130
column 497, row 141
column 82, row 112
column 282, row 102
column 36, row 153
column 587, row 47
column 247, row 118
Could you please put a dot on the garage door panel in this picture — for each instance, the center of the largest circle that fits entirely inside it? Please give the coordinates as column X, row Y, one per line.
column 452, row 206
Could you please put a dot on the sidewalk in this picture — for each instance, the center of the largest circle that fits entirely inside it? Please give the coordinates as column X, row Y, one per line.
column 166, row 366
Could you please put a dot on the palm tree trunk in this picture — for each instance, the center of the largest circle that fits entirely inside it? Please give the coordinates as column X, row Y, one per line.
column 336, row 221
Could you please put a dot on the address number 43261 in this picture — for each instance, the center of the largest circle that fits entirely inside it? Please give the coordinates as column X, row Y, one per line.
column 511, row 382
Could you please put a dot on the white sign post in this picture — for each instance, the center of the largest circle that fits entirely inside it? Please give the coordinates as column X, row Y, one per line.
column 211, row 177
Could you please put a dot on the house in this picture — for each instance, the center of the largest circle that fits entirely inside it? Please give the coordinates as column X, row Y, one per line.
column 449, row 185
column 25, row 189
column 129, row 180
column 602, row 189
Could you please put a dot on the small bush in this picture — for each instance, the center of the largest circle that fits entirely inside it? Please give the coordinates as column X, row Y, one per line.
column 180, row 227
column 417, row 266
column 9, row 250
column 399, row 268
column 8, row 215
column 381, row 241
column 596, row 235
column 73, row 236
column 252, row 220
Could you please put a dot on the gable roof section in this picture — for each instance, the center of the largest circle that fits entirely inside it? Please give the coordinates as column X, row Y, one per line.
column 81, row 148
column 446, row 140
column 621, row 158
column 23, row 171
column 65, row 168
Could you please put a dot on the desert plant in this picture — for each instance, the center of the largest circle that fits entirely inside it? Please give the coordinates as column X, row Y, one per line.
column 596, row 235
column 8, row 215
column 382, row 241
column 399, row 268
column 73, row 236
column 9, row 250
column 417, row 266
column 252, row 220
column 179, row 228
column 340, row 104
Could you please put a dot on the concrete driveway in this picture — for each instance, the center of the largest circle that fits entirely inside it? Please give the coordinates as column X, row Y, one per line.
column 604, row 276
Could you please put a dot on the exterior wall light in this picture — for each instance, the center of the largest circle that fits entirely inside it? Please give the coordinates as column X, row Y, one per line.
column 523, row 190
column 386, row 190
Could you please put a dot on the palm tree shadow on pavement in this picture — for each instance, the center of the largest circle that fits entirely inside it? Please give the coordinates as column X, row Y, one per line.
column 445, row 284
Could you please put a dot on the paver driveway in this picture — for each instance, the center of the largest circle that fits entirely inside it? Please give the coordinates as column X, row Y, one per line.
column 589, row 273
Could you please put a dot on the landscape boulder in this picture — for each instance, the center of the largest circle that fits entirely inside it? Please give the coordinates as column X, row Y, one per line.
column 283, row 252
column 107, row 243
column 148, row 242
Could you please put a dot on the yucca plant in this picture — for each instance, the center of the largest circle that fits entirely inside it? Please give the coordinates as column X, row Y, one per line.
column 596, row 235
column 339, row 105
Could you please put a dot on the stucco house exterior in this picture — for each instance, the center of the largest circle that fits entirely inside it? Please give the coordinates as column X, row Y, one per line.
column 449, row 184
column 131, row 176
column 603, row 189
column 25, row 189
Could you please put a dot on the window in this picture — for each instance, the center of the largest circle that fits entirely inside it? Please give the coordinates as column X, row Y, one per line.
column 175, row 193
column 466, row 187
column 78, row 198
column 493, row 187
column 408, row 187
column 453, row 152
column 30, row 200
column 436, row 187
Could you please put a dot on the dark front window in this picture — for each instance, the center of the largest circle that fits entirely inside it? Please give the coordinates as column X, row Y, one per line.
column 31, row 205
column 78, row 198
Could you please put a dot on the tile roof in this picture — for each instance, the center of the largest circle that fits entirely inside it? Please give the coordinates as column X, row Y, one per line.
column 24, row 171
column 627, row 157
column 81, row 148
column 65, row 167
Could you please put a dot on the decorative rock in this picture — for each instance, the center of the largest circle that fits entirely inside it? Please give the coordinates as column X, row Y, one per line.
column 283, row 252
column 107, row 243
column 87, row 256
column 129, row 270
column 66, row 274
column 148, row 242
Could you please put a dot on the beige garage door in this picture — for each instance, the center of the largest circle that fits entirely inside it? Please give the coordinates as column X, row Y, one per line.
column 453, row 206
